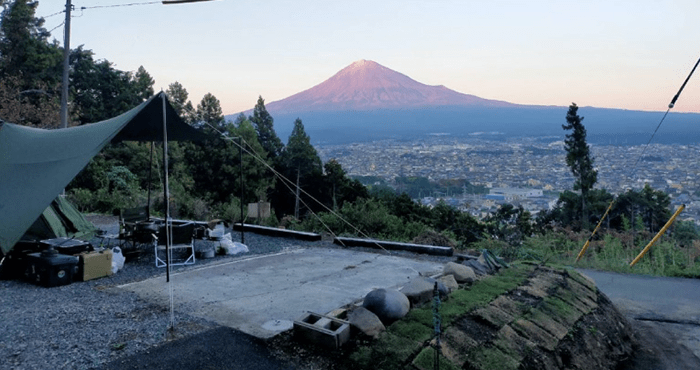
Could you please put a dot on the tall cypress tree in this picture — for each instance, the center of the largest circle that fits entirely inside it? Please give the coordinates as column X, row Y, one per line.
column 263, row 122
column 299, row 161
column 578, row 158
column 299, row 154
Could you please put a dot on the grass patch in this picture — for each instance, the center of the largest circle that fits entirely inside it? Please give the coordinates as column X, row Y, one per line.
column 388, row 352
column 412, row 330
column 557, row 306
column 426, row 358
column 483, row 292
column 614, row 252
column 492, row 358
column 422, row 315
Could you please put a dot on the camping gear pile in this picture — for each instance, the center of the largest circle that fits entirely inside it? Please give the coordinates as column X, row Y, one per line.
column 61, row 262
column 50, row 254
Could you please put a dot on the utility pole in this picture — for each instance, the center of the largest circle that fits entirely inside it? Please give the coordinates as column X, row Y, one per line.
column 66, row 59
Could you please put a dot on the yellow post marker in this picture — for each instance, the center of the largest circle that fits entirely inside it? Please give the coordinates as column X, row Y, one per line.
column 588, row 242
column 658, row 235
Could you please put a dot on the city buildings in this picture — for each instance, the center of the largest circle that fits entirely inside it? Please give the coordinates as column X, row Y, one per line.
column 534, row 169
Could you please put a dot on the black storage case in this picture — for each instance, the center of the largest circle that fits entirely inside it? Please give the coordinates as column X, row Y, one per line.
column 50, row 269
column 67, row 246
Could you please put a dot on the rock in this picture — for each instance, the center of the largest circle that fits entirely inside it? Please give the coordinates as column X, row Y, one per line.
column 449, row 282
column 388, row 304
column 420, row 290
column 365, row 321
column 461, row 273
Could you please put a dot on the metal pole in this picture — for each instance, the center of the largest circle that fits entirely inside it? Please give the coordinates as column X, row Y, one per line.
column 66, row 59
column 240, row 157
column 437, row 325
column 166, row 196
column 150, row 170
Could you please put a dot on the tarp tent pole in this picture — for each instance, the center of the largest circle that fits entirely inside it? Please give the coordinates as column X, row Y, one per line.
column 150, row 176
column 166, row 191
column 168, row 224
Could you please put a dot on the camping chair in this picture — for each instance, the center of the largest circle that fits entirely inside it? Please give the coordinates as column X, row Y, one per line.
column 128, row 218
column 182, row 239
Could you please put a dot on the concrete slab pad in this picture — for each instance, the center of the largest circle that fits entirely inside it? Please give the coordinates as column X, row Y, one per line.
column 259, row 295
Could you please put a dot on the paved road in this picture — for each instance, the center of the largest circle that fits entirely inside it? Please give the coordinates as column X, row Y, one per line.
column 666, row 312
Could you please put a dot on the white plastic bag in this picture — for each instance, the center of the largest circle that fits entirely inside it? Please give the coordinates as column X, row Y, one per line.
column 230, row 247
column 217, row 233
column 117, row 260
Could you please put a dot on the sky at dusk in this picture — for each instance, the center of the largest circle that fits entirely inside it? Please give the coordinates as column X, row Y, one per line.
column 613, row 54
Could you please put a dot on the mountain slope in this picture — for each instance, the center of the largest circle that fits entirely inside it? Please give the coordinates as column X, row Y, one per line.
column 366, row 101
column 366, row 85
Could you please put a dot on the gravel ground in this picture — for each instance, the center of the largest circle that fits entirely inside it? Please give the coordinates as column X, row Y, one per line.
column 85, row 325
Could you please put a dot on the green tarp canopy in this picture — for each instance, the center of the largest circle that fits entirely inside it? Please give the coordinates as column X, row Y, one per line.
column 37, row 164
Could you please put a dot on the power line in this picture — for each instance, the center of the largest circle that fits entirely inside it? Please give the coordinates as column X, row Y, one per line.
column 54, row 14
column 104, row 6
column 121, row 5
column 53, row 29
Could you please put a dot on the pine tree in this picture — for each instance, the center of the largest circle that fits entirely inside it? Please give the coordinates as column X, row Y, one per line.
column 209, row 112
column 264, row 126
column 578, row 158
column 299, row 155
column 179, row 99
column 298, row 163
column 142, row 83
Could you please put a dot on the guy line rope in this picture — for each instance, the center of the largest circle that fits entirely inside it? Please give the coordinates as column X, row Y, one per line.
column 612, row 202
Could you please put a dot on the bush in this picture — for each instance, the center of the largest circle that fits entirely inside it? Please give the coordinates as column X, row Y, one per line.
column 432, row 237
column 230, row 211
column 81, row 198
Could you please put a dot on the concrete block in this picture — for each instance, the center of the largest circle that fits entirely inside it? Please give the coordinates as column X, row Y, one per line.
column 322, row 330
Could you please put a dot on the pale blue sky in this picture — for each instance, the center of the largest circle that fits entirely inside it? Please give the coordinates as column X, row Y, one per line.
column 616, row 54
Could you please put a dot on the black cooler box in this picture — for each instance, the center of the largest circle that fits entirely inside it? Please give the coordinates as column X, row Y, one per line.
column 50, row 269
column 67, row 245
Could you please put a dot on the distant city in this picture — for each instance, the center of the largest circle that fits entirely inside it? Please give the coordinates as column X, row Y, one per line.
column 523, row 171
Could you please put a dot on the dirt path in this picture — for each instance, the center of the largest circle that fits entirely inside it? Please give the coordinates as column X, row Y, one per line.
column 665, row 313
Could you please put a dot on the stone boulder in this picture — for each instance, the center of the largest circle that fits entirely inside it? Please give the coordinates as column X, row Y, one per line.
column 388, row 304
column 449, row 282
column 365, row 321
column 463, row 274
column 420, row 290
